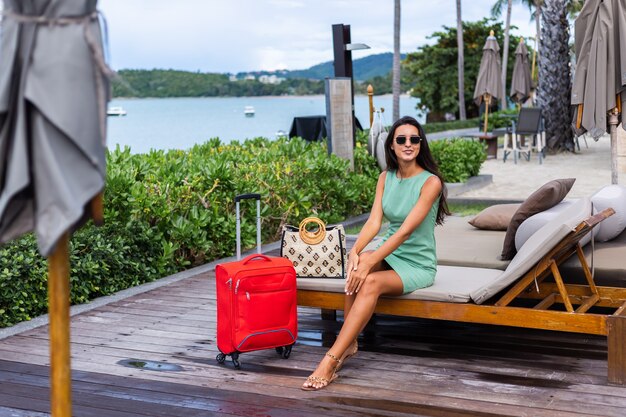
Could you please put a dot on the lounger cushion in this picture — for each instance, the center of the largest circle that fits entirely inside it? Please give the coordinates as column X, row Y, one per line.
column 496, row 217
column 537, row 221
column 459, row 244
column 613, row 196
column 548, row 195
column 609, row 268
column 452, row 284
column 537, row 246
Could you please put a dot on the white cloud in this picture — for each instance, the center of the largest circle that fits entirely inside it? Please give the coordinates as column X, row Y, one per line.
column 246, row 35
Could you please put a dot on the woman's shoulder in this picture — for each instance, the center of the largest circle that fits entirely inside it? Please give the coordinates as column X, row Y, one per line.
column 433, row 181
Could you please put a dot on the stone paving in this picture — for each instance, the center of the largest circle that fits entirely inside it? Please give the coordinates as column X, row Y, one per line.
column 591, row 166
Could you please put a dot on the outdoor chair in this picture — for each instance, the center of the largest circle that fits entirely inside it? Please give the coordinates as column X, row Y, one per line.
column 521, row 296
column 527, row 135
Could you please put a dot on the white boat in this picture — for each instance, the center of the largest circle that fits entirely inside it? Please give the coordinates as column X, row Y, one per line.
column 116, row 111
column 248, row 111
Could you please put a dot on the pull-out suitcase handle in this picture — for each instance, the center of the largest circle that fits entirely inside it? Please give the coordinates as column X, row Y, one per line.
column 248, row 196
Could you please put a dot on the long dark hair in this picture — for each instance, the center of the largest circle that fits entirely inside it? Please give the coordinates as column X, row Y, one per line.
column 424, row 159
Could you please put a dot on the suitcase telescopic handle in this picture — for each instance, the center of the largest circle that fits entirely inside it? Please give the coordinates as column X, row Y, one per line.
column 248, row 196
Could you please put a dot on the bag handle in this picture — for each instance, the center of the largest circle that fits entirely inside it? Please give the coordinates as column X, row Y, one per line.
column 249, row 258
column 312, row 238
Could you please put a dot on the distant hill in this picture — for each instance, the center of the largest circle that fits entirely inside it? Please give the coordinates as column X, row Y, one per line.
column 364, row 69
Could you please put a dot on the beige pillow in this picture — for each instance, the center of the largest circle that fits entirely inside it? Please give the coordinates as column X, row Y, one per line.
column 547, row 196
column 496, row 217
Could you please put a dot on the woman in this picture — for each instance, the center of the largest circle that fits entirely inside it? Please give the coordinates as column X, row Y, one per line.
column 411, row 195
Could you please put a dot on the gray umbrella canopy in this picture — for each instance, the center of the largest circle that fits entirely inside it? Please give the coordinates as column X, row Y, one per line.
column 521, row 83
column 489, row 78
column 53, row 94
column 600, row 73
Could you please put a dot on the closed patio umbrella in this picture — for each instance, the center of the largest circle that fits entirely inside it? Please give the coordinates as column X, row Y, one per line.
column 599, row 88
column 488, row 83
column 521, row 82
column 53, row 93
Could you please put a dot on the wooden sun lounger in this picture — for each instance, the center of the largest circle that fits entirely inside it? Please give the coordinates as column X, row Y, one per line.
column 530, row 302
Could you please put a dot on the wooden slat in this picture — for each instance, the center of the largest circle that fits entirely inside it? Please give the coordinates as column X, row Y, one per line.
column 588, row 303
column 561, row 286
column 471, row 313
column 617, row 349
column 609, row 296
column 546, row 303
column 621, row 311
column 586, row 271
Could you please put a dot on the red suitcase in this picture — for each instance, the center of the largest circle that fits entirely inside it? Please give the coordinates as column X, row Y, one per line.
column 256, row 301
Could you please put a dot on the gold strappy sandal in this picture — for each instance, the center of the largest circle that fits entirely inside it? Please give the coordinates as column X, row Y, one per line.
column 318, row 379
column 347, row 355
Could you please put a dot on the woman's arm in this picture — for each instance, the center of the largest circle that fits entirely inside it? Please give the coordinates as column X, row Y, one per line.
column 371, row 227
column 374, row 221
column 429, row 194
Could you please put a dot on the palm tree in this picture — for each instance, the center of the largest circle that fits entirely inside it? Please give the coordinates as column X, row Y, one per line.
column 496, row 11
column 505, row 53
column 395, row 83
column 553, row 91
column 460, row 61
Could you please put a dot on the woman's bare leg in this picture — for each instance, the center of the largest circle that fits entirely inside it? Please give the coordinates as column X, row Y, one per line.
column 376, row 284
column 349, row 299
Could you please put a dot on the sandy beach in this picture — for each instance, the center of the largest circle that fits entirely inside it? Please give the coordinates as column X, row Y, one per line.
column 591, row 166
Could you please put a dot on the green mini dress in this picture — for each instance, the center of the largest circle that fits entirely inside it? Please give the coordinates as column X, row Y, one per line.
column 415, row 260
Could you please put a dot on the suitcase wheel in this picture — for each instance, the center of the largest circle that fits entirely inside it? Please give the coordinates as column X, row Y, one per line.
column 279, row 350
column 220, row 358
column 235, row 357
column 286, row 352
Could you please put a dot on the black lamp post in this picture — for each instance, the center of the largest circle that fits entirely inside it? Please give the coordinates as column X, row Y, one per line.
column 342, row 48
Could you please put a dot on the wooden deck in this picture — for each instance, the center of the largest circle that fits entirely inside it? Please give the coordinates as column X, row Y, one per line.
column 404, row 367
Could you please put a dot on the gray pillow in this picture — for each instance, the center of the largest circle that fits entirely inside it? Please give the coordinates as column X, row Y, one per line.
column 548, row 195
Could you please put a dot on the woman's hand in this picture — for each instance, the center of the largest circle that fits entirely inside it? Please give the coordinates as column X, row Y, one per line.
column 357, row 272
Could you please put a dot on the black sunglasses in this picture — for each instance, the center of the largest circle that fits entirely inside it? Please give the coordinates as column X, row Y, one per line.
column 401, row 140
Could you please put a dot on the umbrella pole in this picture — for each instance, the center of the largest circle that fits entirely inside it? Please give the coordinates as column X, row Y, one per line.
column 487, row 99
column 59, row 314
column 613, row 121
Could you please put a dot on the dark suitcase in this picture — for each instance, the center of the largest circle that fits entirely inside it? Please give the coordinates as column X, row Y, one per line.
column 256, row 300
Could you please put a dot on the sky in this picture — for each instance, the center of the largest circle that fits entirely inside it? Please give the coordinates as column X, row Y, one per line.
column 230, row 36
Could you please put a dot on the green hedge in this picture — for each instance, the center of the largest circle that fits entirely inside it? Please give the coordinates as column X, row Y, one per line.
column 458, row 158
column 166, row 211
column 451, row 125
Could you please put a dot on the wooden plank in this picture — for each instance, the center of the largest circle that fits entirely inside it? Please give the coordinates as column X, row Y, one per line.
column 617, row 349
column 388, row 388
column 621, row 311
column 471, row 313
column 546, row 303
column 609, row 296
column 561, row 286
column 588, row 303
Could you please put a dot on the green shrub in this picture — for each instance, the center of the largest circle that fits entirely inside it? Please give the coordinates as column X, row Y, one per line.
column 458, row 158
column 103, row 260
column 451, row 125
column 169, row 210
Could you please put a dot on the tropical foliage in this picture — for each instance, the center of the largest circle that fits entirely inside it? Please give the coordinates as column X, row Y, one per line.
column 168, row 211
column 432, row 70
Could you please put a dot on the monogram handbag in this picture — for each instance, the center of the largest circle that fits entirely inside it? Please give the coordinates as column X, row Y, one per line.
column 317, row 253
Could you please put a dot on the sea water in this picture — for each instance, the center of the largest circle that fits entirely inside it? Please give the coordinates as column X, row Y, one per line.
column 179, row 123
